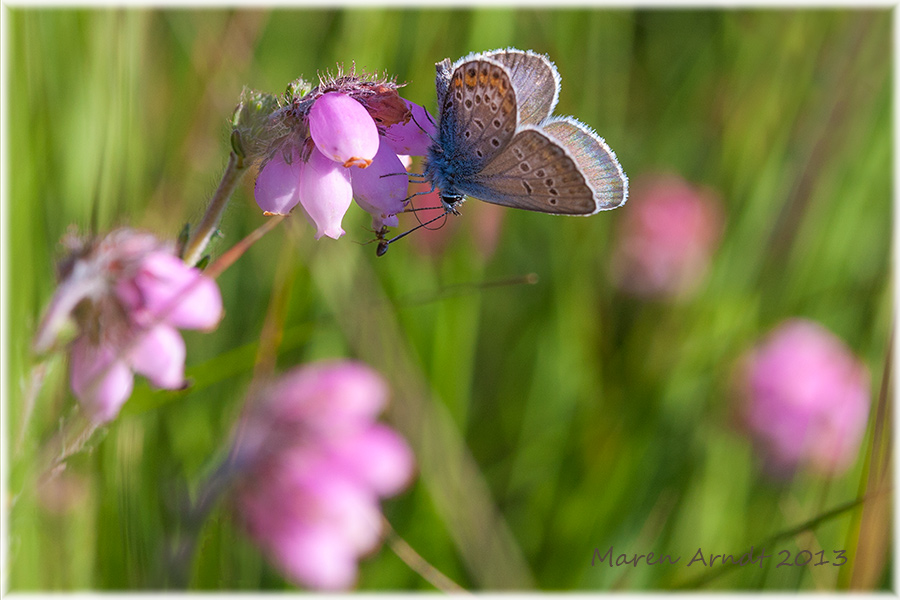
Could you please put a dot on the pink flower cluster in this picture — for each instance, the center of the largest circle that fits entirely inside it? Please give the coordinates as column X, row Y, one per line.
column 666, row 237
column 806, row 399
column 129, row 295
column 316, row 464
column 346, row 146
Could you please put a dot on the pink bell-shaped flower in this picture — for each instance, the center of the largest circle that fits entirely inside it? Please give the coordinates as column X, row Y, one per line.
column 132, row 294
column 415, row 136
column 343, row 130
column 277, row 188
column 381, row 189
column 359, row 124
column 325, row 194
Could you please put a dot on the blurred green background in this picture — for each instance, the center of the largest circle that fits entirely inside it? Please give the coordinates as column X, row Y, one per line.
column 549, row 419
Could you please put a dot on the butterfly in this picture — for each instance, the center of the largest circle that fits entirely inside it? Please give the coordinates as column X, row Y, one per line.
column 498, row 141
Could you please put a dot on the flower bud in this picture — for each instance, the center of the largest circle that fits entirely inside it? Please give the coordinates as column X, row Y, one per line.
column 252, row 128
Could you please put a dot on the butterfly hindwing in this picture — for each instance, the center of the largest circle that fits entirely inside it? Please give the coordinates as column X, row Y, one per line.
column 596, row 161
column 534, row 172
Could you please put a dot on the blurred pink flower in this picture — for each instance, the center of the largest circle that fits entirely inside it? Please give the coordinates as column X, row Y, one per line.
column 65, row 493
column 129, row 294
column 316, row 464
column 806, row 399
column 345, row 146
column 666, row 237
column 487, row 226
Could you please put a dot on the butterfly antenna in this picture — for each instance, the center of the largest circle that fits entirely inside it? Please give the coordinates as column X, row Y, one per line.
column 415, row 212
column 383, row 243
column 422, row 128
column 411, row 210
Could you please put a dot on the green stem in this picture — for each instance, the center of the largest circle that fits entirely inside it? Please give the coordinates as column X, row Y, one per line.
column 181, row 556
column 193, row 250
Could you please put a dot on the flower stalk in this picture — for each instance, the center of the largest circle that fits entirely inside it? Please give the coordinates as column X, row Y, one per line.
column 198, row 241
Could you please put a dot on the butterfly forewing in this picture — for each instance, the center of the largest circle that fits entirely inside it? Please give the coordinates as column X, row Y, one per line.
column 534, row 173
column 478, row 116
column 595, row 159
column 535, row 80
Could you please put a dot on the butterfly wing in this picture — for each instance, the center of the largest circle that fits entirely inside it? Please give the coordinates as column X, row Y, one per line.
column 596, row 161
column 498, row 143
column 534, row 172
column 535, row 80
column 443, row 72
column 478, row 115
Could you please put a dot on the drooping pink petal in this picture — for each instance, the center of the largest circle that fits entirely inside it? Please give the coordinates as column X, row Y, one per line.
column 345, row 506
column 343, row 130
column 300, row 507
column 83, row 282
column 277, row 188
column 167, row 289
column 378, row 457
column 325, row 193
column 382, row 187
column 159, row 356
column 315, row 557
column 414, row 137
column 330, row 396
column 101, row 380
